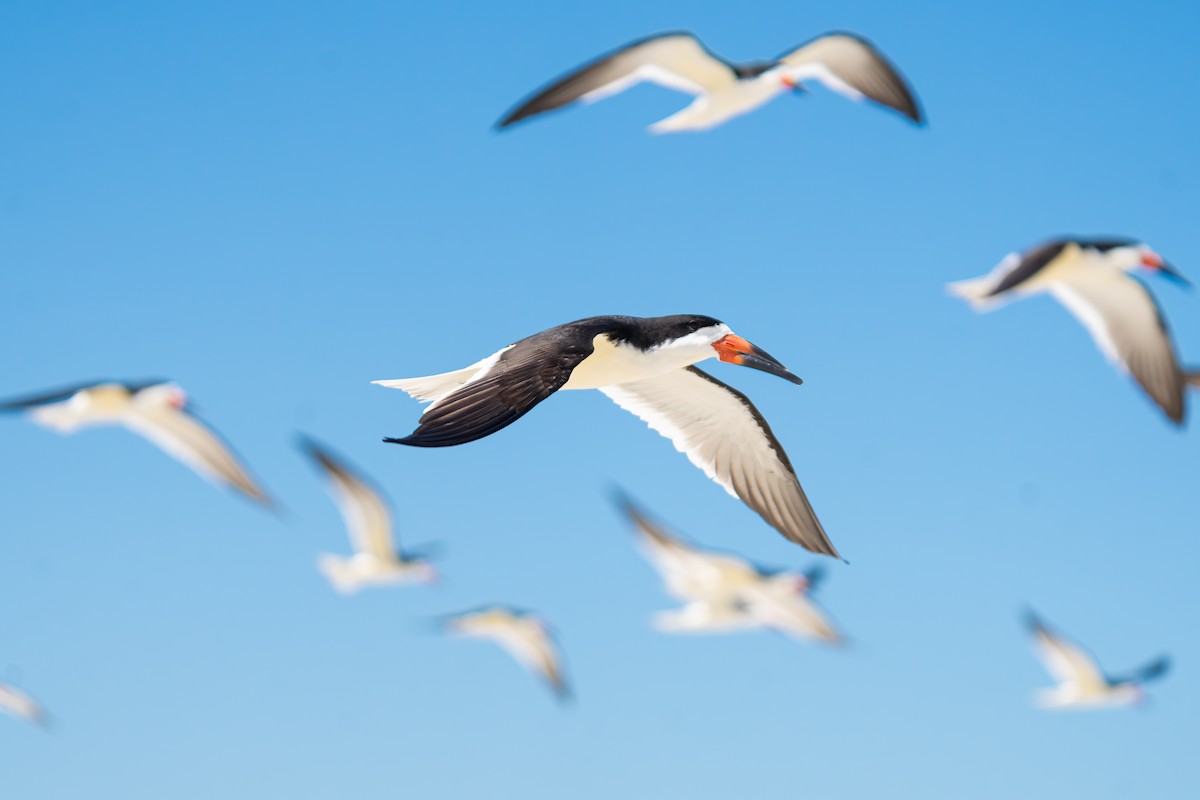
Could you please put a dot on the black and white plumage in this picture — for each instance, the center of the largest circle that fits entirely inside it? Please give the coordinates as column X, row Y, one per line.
column 1091, row 278
column 376, row 561
column 1081, row 682
column 644, row 364
column 155, row 410
column 723, row 592
column 844, row 62
column 525, row 636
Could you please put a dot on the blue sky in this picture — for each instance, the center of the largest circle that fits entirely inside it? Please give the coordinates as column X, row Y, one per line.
column 276, row 203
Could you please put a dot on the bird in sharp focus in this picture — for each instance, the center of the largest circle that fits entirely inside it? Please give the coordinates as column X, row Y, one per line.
column 645, row 365
column 844, row 62
column 156, row 410
column 376, row 560
column 525, row 636
column 723, row 592
column 1092, row 278
column 1081, row 683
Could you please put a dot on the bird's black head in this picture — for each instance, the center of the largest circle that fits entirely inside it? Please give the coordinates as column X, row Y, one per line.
column 656, row 331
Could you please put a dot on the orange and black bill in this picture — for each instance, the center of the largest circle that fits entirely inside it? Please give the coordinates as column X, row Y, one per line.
column 736, row 350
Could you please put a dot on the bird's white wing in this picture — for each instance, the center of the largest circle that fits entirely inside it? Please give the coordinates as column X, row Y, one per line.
column 187, row 439
column 722, row 433
column 676, row 60
column 1065, row 661
column 523, row 638
column 788, row 611
column 364, row 510
column 852, row 66
column 1129, row 329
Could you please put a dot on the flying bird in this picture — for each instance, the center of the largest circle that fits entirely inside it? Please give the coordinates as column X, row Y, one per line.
column 644, row 364
column 157, row 410
column 1081, row 683
column 844, row 62
column 525, row 636
column 376, row 560
column 19, row 705
column 1091, row 277
column 723, row 592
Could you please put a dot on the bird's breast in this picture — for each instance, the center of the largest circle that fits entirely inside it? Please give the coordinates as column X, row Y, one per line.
column 612, row 363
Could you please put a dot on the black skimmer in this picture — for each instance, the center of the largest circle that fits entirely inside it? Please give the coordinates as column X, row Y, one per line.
column 723, row 592
column 156, row 410
column 376, row 560
column 19, row 705
column 844, row 62
column 1082, row 684
column 1091, row 278
column 525, row 636
column 644, row 364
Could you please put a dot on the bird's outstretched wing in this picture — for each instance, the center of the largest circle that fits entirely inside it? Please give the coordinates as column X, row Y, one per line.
column 675, row 60
column 1066, row 661
column 363, row 508
column 519, row 379
column 722, row 433
column 186, row 438
column 851, row 65
column 1127, row 326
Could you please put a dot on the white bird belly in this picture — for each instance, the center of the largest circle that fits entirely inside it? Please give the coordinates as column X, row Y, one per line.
column 610, row 363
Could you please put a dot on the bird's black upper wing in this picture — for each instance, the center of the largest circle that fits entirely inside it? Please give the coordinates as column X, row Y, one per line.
column 523, row 376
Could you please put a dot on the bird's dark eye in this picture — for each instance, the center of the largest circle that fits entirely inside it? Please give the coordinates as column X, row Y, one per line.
column 695, row 325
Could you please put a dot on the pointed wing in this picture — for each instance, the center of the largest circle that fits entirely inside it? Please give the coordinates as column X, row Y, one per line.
column 521, row 377
column 815, row 575
column 45, row 398
column 674, row 60
column 1150, row 672
column 787, row 611
column 363, row 508
column 1128, row 328
column 722, row 433
column 1066, row 661
column 17, row 704
column 184, row 437
column 522, row 637
column 851, row 65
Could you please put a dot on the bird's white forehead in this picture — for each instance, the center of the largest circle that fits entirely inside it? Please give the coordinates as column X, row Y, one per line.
column 699, row 338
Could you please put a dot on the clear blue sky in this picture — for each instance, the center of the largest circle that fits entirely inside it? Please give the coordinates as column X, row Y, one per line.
column 275, row 203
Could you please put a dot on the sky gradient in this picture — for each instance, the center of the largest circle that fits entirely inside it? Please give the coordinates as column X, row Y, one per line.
column 276, row 203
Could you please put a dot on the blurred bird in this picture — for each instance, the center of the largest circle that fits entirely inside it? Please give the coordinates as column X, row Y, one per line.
column 17, row 704
column 156, row 410
column 844, row 62
column 644, row 365
column 376, row 561
column 1081, row 683
column 723, row 592
column 525, row 636
column 1091, row 278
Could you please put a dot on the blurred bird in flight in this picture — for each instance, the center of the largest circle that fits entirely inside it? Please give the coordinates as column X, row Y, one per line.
column 1081, row 683
column 1091, row 277
column 523, row 635
column 723, row 592
column 21, row 706
column 376, row 560
column 844, row 62
column 156, row 410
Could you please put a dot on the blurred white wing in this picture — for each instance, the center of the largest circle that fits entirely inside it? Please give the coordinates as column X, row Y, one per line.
column 852, row 66
column 364, row 510
column 1127, row 327
column 185, row 438
column 1065, row 661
